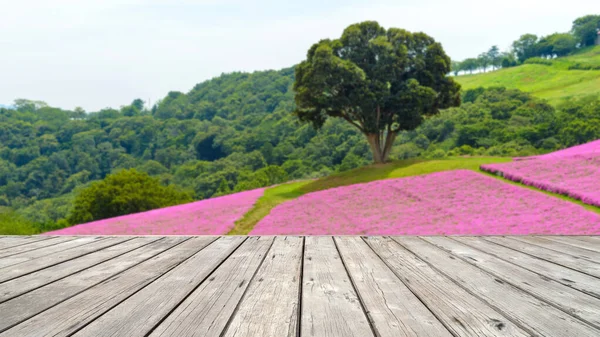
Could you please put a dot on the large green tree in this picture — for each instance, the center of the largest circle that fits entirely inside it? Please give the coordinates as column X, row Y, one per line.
column 381, row 81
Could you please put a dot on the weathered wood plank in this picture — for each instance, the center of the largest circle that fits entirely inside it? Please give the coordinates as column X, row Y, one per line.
column 81, row 248
column 461, row 312
column 75, row 290
column 561, row 258
column 274, row 294
column 561, row 247
column 330, row 305
column 569, row 300
column 575, row 241
column 33, row 245
column 23, row 284
column 393, row 309
column 524, row 309
column 208, row 309
column 140, row 313
column 14, row 241
column 58, row 244
column 565, row 276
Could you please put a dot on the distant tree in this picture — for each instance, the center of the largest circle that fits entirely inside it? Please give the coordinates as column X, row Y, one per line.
column 563, row 43
column 525, row 47
column 28, row 105
column 470, row 65
column 223, row 189
column 585, row 29
column 124, row 192
column 484, row 61
column 380, row 81
column 508, row 60
column 494, row 56
column 456, row 67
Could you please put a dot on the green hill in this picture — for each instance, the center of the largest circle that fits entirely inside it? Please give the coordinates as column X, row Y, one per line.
column 559, row 79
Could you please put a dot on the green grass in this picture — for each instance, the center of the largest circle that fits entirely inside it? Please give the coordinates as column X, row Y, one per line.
column 405, row 168
column 554, row 83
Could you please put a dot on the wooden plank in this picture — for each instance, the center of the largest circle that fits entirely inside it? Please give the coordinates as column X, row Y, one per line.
column 560, row 258
column 274, row 294
column 140, row 313
column 524, row 309
column 32, row 245
column 64, row 243
column 575, row 241
column 73, row 314
column 330, row 305
column 7, row 242
column 90, row 245
column 561, row 247
column 208, row 309
column 57, row 244
column 23, row 284
column 568, row 277
column 461, row 312
column 392, row 308
column 25, row 306
column 569, row 300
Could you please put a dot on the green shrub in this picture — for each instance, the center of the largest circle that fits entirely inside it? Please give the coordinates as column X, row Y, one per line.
column 124, row 192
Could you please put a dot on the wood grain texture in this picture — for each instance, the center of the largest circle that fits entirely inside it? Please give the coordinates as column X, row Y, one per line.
column 58, row 245
column 23, row 284
column 580, row 242
column 70, row 303
column 563, row 248
column 562, row 258
column 274, row 294
column 208, row 309
column 461, row 312
column 568, row 277
column 393, row 309
column 7, row 242
column 330, row 305
column 522, row 308
column 33, row 245
column 143, row 311
column 569, row 300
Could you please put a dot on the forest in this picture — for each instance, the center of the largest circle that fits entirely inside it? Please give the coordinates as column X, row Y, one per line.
column 238, row 132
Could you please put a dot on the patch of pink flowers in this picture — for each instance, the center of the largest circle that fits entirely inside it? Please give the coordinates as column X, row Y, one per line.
column 574, row 172
column 591, row 148
column 458, row 202
column 215, row 216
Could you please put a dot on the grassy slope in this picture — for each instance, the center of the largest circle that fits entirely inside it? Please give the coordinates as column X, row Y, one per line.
column 553, row 83
column 275, row 195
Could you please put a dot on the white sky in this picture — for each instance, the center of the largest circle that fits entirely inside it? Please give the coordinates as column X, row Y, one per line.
column 101, row 53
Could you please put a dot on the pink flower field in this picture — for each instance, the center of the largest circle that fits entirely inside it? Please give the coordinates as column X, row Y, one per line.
column 206, row 217
column 458, row 202
column 574, row 172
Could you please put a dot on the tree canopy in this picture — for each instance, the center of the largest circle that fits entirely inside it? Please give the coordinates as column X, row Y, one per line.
column 380, row 81
column 124, row 192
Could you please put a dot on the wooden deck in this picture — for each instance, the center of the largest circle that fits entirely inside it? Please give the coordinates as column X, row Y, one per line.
column 300, row 286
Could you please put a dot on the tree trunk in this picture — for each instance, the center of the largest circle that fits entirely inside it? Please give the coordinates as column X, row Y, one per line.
column 373, row 139
column 380, row 151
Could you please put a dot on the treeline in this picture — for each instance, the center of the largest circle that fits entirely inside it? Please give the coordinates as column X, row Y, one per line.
column 236, row 132
column 583, row 34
